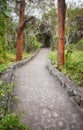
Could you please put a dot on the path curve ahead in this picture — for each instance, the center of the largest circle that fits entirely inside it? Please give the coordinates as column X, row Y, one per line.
column 42, row 103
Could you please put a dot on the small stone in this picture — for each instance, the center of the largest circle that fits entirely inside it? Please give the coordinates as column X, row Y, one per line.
column 55, row 115
column 45, row 112
column 75, row 92
column 61, row 124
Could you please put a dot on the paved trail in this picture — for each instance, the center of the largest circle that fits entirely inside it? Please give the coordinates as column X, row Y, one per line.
column 45, row 104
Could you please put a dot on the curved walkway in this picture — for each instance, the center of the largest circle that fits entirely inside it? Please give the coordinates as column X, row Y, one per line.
column 42, row 103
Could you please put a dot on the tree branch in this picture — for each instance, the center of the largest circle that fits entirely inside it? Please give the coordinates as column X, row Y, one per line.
column 26, row 21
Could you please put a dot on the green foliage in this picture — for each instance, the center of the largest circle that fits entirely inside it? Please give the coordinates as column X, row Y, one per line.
column 3, row 67
column 2, row 43
column 32, row 43
column 5, row 59
column 3, row 21
column 79, row 45
column 8, row 121
column 3, row 7
column 54, row 43
column 10, row 57
column 68, row 53
column 74, row 47
column 74, row 24
column 74, row 67
column 35, row 43
column 73, row 14
column 73, row 62
column 5, row 90
column 51, row 16
column 26, row 55
column 12, row 122
column 7, row 34
column 53, row 57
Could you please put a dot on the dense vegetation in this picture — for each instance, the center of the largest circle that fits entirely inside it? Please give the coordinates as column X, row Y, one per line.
column 8, row 36
column 73, row 44
column 42, row 30
column 73, row 61
column 11, row 122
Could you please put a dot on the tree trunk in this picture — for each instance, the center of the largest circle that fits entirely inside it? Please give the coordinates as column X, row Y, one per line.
column 61, row 31
column 20, row 31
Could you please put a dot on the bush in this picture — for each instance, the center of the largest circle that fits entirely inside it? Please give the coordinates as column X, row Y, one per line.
column 32, row 44
column 53, row 57
column 54, row 43
column 73, row 62
column 76, row 46
column 10, row 57
column 74, row 67
column 79, row 45
column 36, row 45
column 5, row 98
column 3, row 67
column 8, row 121
column 12, row 122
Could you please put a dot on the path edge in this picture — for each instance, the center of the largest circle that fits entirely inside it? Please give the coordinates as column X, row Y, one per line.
column 7, row 78
column 65, row 82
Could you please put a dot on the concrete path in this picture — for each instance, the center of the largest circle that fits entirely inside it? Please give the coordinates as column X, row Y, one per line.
column 42, row 103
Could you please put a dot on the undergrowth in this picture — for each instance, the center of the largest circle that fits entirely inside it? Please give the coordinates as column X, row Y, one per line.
column 10, row 58
column 8, row 120
column 73, row 62
column 12, row 122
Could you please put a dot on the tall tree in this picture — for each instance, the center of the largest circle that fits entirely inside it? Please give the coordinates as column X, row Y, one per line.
column 20, row 31
column 61, row 31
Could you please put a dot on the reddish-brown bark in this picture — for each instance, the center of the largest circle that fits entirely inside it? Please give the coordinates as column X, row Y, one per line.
column 61, row 31
column 20, row 31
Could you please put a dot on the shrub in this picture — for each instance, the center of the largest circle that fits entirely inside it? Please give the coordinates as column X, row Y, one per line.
column 3, row 67
column 73, row 62
column 53, row 57
column 12, row 122
column 74, row 67
column 8, row 121
column 36, row 45
column 79, row 45
column 54, row 43
column 32, row 44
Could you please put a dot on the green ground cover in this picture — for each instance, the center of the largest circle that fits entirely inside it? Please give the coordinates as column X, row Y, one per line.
column 9, row 58
column 73, row 62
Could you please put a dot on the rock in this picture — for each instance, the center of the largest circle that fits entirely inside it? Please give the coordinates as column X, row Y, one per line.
column 67, row 84
column 71, row 92
column 81, row 103
column 77, row 99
